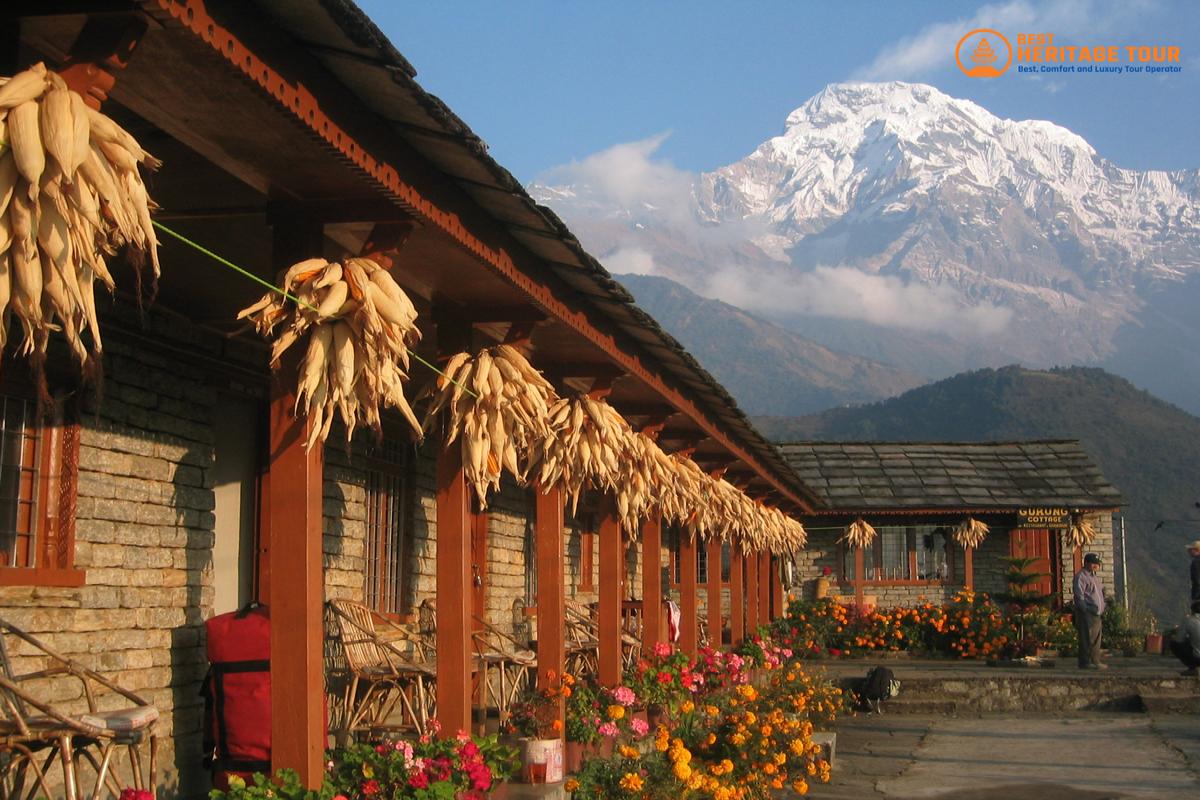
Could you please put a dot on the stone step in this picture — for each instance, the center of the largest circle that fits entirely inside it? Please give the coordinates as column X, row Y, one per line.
column 919, row 705
column 1171, row 702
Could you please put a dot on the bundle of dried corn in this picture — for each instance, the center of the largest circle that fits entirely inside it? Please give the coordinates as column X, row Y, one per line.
column 499, row 407
column 970, row 533
column 786, row 534
column 1082, row 529
column 858, row 534
column 589, row 447
column 70, row 196
column 360, row 325
column 685, row 491
column 647, row 482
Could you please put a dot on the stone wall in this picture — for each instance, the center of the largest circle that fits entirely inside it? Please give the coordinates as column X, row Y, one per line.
column 144, row 536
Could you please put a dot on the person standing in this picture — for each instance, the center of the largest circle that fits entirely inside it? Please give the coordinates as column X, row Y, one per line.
column 1185, row 644
column 1194, row 551
column 1089, row 607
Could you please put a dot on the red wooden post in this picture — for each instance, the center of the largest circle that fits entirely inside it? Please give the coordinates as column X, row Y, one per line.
column 652, row 631
column 778, row 601
column 609, row 613
column 714, row 593
column 737, row 624
column 551, row 589
column 453, row 593
column 297, row 592
column 969, row 568
column 764, row 587
column 751, row 594
column 687, row 592
column 860, row 576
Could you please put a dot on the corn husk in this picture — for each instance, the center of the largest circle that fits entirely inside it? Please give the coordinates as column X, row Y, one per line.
column 1082, row 530
column 859, row 534
column 356, row 325
column 970, row 533
column 71, row 196
column 588, row 448
column 497, row 407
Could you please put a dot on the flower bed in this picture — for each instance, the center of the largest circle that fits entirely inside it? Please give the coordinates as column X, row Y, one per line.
column 429, row 769
column 970, row 625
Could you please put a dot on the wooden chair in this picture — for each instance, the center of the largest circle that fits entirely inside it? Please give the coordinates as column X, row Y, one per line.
column 36, row 736
column 388, row 668
column 583, row 641
column 501, row 655
column 501, row 665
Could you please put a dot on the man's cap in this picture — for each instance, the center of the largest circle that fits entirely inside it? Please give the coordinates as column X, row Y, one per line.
column 1194, row 545
column 1091, row 558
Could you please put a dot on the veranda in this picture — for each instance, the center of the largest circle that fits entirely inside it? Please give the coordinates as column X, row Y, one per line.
column 287, row 131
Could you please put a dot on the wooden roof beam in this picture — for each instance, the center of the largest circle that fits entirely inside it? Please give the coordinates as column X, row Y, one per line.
column 557, row 373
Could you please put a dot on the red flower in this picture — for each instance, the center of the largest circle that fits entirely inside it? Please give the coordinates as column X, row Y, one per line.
column 370, row 788
column 665, row 677
column 419, row 780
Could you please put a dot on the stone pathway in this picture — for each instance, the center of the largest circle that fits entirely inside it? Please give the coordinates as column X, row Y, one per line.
column 1080, row 757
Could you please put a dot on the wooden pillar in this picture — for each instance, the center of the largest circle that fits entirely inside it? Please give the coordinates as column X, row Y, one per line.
column 778, row 600
column 551, row 589
column 453, row 593
column 751, row 561
column 296, row 595
column 652, row 630
column 860, row 576
column 737, row 620
column 687, row 593
column 714, row 593
column 609, row 613
column 764, row 588
column 969, row 568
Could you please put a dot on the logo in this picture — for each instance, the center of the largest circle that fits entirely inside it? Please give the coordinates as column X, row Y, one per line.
column 980, row 55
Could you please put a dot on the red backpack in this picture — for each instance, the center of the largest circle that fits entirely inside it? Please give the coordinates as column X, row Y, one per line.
column 237, row 694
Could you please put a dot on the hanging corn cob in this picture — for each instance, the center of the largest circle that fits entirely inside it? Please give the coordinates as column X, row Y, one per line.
column 589, row 448
column 71, row 195
column 970, row 533
column 360, row 324
column 858, row 534
column 1082, row 529
column 498, row 406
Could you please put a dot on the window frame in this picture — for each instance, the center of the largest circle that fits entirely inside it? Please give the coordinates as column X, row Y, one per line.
column 847, row 578
column 378, row 466
column 56, row 486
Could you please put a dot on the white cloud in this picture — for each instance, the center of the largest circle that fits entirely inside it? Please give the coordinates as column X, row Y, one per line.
column 627, row 176
column 634, row 261
column 849, row 293
column 932, row 47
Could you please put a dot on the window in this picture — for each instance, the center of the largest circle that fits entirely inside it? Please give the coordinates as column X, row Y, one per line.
column 583, row 525
column 39, row 463
column 904, row 553
column 387, row 525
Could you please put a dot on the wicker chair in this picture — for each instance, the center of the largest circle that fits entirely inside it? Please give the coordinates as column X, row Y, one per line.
column 36, row 736
column 387, row 668
column 583, row 641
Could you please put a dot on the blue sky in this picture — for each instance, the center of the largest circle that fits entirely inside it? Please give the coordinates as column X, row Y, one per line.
column 546, row 83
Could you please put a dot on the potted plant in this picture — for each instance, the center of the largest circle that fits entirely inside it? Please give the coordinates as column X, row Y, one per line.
column 537, row 722
column 663, row 680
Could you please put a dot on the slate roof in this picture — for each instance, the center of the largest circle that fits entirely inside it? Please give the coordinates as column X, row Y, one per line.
column 981, row 476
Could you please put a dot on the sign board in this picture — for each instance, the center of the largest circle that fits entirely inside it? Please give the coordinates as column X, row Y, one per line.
column 1043, row 518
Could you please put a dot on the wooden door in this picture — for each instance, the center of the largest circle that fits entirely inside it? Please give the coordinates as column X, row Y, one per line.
column 1035, row 543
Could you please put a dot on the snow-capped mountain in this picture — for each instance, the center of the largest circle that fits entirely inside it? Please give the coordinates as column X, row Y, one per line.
column 896, row 222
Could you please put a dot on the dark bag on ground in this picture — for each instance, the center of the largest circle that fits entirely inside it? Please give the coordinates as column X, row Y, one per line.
column 879, row 685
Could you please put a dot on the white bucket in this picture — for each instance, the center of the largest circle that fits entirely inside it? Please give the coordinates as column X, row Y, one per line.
column 542, row 760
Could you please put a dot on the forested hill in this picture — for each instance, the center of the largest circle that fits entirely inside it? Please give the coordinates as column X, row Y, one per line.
column 1149, row 449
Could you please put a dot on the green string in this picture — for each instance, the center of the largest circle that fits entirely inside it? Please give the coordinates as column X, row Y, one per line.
column 293, row 298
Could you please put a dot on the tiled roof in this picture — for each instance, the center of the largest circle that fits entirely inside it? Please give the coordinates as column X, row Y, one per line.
column 936, row 475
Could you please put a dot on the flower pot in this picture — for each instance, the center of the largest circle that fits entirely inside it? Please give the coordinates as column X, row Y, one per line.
column 575, row 754
column 541, row 760
column 1154, row 643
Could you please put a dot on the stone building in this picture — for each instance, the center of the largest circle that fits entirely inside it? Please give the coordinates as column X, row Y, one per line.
column 914, row 495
